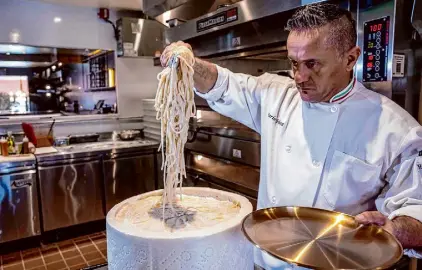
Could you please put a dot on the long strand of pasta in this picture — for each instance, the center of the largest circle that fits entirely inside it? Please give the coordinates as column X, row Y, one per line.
column 175, row 105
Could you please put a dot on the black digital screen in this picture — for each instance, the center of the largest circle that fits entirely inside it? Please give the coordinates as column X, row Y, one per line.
column 375, row 49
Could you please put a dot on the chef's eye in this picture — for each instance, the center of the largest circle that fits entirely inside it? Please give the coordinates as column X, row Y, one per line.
column 310, row 64
column 294, row 63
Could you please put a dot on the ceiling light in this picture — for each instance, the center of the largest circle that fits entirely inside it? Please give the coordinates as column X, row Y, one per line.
column 60, row 64
column 48, row 87
column 57, row 19
column 48, row 94
column 53, row 67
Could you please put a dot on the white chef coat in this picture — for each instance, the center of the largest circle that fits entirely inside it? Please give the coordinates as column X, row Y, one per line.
column 363, row 153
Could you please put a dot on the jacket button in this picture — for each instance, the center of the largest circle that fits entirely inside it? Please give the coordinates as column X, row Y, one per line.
column 274, row 200
column 334, row 109
column 288, row 149
column 315, row 163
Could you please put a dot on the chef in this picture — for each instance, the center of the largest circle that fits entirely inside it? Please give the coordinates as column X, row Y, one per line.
column 326, row 140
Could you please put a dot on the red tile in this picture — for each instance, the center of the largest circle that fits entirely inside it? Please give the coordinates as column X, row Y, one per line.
column 18, row 266
column 101, row 246
column 71, row 253
column 75, row 261
column 56, row 266
column 88, row 249
column 37, row 268
column 92, row 256
column 78, row 267
column 50, row 251
column 33, row 263
column 96, row 262
column 52, row 258
column 12, row 258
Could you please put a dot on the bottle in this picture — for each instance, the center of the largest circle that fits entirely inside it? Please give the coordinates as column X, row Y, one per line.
column 10, row 143
column 4, row 147
column 25, row 146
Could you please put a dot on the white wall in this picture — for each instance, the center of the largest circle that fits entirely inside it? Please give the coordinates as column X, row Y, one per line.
column 79, row 28
column 138, row 78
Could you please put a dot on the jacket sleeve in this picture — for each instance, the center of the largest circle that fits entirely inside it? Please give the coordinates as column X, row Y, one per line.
column 403, row 194
column 237, row 96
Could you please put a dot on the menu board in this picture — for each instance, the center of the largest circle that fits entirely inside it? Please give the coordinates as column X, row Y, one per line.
column 375, row 49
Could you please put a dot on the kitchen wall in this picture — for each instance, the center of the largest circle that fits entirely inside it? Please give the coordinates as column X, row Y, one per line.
column 79, row 28
column 138, row 78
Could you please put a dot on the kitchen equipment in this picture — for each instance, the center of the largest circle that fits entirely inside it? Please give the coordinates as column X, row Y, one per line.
column 83, row 138
column 221, row 154
column 61, row 141
column 19, row 216
column 128, row 135
column 128, row 174
column 139, row 37
column 249, row 37
column 320, row 239
column 70, row 189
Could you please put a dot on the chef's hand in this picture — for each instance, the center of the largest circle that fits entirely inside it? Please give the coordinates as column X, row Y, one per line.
column 375, row 217
column 165, row 56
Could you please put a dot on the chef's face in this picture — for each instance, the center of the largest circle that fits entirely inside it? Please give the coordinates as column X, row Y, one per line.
column 319, row 70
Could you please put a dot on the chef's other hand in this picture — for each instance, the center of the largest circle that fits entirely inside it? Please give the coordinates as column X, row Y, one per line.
column 375, row 217
column 165, row 56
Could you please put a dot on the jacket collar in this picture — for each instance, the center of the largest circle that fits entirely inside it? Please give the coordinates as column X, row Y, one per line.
column 345, row 93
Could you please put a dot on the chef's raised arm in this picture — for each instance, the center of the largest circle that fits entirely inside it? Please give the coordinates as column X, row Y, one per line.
column 401, row 199
column 234, row 95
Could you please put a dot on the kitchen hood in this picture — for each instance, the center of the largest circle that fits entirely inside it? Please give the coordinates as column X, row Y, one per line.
column 139, row 37
column 248, row 29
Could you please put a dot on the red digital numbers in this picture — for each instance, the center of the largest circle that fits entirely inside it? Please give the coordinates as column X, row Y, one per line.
column 370, row 65
column 370, row 57
column 376, row 27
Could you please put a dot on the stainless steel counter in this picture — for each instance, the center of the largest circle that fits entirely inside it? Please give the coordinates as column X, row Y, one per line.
column 80, row 183
column 98, row 148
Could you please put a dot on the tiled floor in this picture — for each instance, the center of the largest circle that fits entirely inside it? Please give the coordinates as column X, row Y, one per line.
column 70, row 254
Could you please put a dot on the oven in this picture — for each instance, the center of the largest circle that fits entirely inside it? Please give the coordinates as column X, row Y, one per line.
column 223, row 154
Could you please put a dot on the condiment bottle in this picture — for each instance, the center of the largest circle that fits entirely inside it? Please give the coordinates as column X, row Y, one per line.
column 25, row 145
column 10, row 142
column 4, row 147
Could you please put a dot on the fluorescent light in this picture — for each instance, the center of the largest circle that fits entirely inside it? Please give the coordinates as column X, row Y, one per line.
column 57, row 19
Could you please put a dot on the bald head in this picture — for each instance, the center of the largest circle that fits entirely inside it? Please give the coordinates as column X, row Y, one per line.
column 322, row 16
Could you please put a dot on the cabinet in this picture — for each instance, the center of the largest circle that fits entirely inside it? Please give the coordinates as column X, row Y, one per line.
column 19, row 216
column 127, row 175
column 71, row 192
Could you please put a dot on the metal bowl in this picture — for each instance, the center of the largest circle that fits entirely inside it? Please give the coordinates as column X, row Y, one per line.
column 128, row 135
column 320, row 239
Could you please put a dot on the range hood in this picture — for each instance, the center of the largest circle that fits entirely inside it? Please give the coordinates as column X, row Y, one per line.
column 248, row 29
column 139, row 37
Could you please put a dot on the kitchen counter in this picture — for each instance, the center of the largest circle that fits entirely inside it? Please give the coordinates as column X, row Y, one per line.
column 98, row 148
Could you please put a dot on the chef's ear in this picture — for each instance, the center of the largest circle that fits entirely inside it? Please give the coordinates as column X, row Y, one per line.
column 352, row 57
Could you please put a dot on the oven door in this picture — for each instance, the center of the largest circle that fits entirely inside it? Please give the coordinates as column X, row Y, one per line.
column 197, row 180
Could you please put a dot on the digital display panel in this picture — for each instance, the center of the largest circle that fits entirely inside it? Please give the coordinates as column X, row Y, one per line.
column 375, row 49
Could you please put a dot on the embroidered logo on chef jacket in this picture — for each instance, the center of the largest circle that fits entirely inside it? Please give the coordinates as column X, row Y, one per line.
column 276, row 120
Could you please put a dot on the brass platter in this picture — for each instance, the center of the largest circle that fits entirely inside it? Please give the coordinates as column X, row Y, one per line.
column 320, row 239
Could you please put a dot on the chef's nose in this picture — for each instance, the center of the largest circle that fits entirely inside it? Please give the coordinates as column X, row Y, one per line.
column 301, row 74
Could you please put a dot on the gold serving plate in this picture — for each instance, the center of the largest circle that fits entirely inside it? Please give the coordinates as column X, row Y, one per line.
column 321, row 239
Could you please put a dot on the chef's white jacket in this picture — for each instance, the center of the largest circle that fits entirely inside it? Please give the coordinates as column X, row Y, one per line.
column 364, row 153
